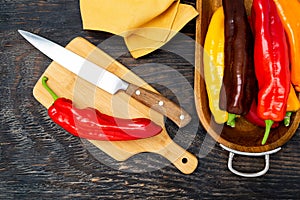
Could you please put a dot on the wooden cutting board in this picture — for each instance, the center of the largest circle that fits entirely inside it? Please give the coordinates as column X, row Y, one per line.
column 84, row 94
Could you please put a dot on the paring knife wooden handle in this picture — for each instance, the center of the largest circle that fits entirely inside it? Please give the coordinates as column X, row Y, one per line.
column 160, row 104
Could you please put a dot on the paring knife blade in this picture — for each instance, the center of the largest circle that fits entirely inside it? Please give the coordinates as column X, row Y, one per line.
column 105, row 79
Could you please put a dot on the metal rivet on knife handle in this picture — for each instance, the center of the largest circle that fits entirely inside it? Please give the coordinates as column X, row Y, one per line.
column 137, row 92
column 160, row 104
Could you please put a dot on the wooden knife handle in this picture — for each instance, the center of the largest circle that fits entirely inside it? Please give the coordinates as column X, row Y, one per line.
column 160, row 104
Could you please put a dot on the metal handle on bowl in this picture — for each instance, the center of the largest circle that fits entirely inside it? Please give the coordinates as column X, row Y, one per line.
column 232, row 152
column 255, row 174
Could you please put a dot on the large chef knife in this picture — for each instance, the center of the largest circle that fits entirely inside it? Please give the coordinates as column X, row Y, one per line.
column 106, row 80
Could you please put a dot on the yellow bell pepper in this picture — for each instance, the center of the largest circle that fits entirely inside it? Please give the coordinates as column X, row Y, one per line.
column 289, row 12
column 213, row 60
column 293, row 105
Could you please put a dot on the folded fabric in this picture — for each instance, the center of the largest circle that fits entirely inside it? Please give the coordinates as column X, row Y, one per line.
column 142, row 44
column 146, row 25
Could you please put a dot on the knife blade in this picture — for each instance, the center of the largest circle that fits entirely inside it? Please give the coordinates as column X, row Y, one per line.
column 106, row 80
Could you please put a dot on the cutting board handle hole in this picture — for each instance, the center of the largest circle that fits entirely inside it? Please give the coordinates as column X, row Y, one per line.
column 184, row 160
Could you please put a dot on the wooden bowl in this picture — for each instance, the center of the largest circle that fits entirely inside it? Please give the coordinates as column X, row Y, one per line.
column 245, row 137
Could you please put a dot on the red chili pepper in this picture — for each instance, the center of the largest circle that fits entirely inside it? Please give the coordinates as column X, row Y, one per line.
column 252, row 117
column 90, row 123
column 271, row 62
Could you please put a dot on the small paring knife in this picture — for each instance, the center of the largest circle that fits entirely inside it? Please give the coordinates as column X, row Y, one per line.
column 106, row 80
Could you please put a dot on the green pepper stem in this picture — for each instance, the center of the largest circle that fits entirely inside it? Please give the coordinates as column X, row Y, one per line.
column 287, row 118
column 231, row 120
column 44, row 83
column 269, row 124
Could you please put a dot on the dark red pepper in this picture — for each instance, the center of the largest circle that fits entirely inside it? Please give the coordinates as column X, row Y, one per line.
column 239, row 77
column 252, row 117
column 90, row 123
column 271, row 61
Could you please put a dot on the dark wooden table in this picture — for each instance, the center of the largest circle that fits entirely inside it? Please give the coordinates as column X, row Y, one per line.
column 39, row 160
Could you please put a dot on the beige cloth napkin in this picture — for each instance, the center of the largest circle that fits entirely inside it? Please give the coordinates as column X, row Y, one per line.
column 146, row 25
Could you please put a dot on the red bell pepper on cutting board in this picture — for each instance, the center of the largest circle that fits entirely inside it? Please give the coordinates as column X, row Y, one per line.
column 91, row 124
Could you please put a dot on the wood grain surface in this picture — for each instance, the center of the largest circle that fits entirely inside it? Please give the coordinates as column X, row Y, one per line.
column 39, row 160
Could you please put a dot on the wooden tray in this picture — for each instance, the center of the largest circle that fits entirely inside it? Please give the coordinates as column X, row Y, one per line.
column 244, row 137
column 68, row 85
